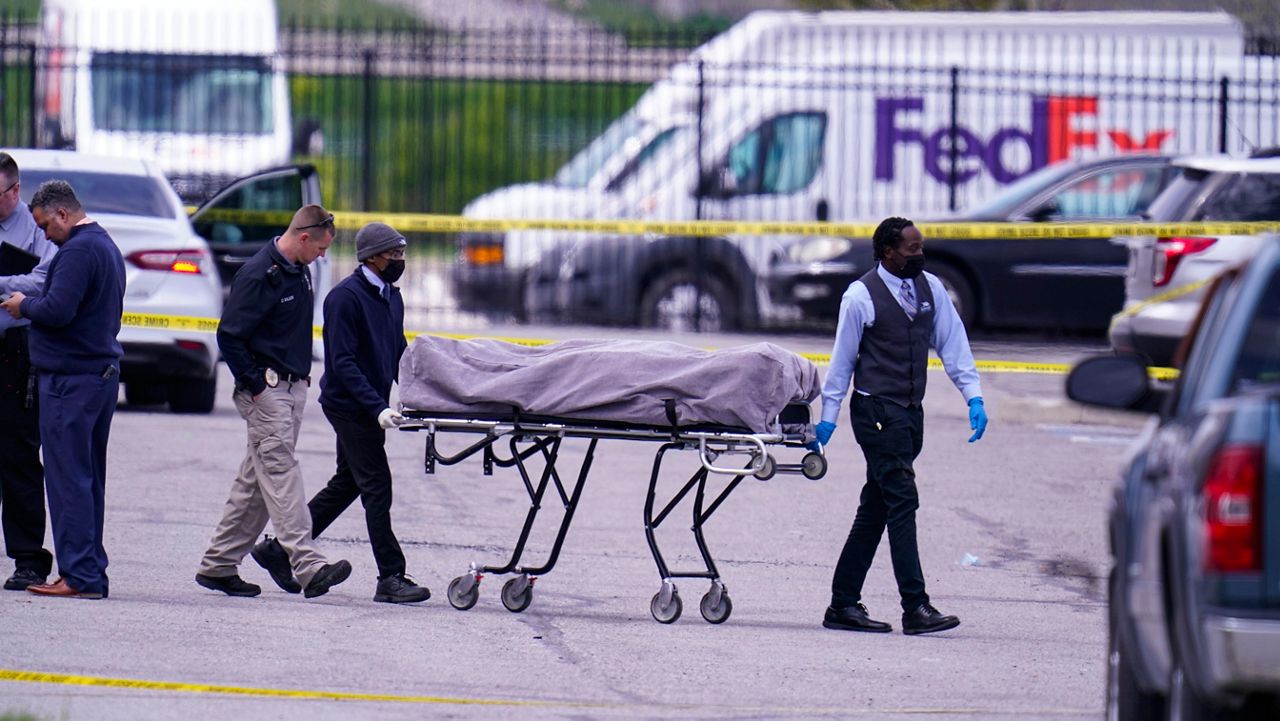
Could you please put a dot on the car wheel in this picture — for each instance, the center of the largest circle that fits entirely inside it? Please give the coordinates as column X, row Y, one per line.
column 188, row 395
column 145, row 392
column 960, row 291
column 669, row 302
column 1125, row 698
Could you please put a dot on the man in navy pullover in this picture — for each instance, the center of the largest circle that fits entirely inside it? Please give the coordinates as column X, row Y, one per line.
column 363, row 342
column 73, row 345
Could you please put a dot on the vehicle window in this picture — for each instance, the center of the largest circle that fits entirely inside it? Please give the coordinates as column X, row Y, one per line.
column 1019, row 191
column 196, row 94
column 1203, row 340
column 641, row 158
column 1172, row 203
column 577, row 173
column 1114, row 193
column 1259, row 361
column 1244, row 197
column 781, row 156
column 107, row 193
column 279, row 192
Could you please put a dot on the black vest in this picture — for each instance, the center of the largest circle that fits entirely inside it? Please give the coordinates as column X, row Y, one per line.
column 893, row 359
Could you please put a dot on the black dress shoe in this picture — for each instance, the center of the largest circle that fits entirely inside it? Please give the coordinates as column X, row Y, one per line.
column 329, row 575
column 400, row 589
column 927, row 619
column 230, row 585
column 24, row 577
column 271, row 555
column 853, row 618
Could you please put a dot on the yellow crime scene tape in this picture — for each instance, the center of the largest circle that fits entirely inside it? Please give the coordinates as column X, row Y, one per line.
column 210, row 325
column 429, row 223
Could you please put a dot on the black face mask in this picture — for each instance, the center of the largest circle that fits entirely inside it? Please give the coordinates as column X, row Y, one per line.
column 914, row 264
column 393, row 271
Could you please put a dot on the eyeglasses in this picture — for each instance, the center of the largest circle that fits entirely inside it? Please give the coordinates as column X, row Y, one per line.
column 327, row 222
column 12, row 185
column 396, row 254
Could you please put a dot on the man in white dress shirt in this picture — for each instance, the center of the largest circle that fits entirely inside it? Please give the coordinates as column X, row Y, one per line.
column 888, row 320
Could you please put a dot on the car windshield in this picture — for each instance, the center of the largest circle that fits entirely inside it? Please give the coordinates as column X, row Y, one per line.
column 1003, row 203
column 579, row 171
column 193, row 94
column 106, row 193
column 679, row 132
column 1259, row 361
column 1244, row 197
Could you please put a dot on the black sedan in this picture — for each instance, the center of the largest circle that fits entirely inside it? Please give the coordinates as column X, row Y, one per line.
column 1059, row 283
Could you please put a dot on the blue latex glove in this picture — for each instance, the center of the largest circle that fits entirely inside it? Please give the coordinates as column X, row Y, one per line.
column 977, row 418
column 824, row 430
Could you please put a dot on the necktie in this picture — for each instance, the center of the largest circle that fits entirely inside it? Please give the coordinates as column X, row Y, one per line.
column 909, row 299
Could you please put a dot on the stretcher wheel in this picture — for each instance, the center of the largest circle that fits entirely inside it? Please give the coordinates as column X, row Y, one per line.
column 463, row 600
column 517, row 602
column 670, row 612
column 768, row 470
column 718, row 613
column 813, row 465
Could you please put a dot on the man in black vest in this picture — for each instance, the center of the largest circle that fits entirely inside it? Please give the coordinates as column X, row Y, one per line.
column 888, row 320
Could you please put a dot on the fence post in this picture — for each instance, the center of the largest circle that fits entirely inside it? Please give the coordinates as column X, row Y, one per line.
column 1224, row 87
column 370, row 97
column 954, row 137
column 699, row 262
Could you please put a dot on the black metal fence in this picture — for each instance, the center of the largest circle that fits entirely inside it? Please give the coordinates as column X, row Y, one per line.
column 807, row 118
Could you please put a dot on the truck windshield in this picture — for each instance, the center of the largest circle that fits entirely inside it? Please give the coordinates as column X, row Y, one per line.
column 191, row 94
column 106, row 193
column 577, row 173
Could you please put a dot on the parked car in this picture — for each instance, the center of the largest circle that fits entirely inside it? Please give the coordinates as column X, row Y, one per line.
column 1216, row 188
column 1194, row 589
column 1064, row 283
column 170, row 269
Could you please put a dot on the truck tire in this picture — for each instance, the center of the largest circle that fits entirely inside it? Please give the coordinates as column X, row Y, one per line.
column 668, row 303
column 960, row 290
column 145, row 392
column 189, row 395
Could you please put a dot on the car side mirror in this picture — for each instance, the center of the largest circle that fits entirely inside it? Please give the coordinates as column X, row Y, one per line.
column 718, row 183
column 1119, row 382
column 1048, row 210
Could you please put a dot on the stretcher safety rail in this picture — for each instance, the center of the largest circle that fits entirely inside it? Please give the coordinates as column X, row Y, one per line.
column 530, row 437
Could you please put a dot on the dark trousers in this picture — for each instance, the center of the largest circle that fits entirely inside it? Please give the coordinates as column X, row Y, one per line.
column 362, row 472
column 21, row 475
column 891, row 437
column 75, row 425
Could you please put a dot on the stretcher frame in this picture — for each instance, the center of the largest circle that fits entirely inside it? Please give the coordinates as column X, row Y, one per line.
column 543, row 437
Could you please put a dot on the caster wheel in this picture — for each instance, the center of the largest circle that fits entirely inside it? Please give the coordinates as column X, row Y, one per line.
column 517, row 601
column 768, row 470
column 463, row 600
column 670, row 612
column 717, row 613
column 813, row 465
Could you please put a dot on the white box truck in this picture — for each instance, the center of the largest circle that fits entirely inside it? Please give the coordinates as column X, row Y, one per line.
column 846, row 116
column 195, row 86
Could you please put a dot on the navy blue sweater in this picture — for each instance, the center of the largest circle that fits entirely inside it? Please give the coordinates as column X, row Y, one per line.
column 363, row 342
column 75, row 322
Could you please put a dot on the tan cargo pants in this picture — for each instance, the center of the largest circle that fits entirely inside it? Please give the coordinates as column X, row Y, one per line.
column 269, row 487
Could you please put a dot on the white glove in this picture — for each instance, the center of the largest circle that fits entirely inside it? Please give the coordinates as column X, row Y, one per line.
column 389, row 419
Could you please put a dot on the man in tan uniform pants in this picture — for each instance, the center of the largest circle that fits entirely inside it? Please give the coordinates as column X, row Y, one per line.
column 265, row 338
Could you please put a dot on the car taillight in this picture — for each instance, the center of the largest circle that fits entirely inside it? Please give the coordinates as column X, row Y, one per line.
column 1171, row 251
column 1232, row 503
column 177, row 261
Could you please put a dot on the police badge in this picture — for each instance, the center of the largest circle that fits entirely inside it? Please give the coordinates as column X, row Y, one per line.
column 272, row 378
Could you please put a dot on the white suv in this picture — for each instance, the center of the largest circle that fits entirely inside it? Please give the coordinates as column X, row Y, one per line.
column 1216, row 188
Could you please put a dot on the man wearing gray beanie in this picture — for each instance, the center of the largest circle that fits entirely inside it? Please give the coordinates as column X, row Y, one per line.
column 363, row 342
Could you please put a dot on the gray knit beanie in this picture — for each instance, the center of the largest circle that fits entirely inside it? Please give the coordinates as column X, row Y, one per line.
column 374, row 238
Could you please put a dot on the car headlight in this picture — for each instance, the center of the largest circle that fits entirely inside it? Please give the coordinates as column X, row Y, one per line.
column 818, row 250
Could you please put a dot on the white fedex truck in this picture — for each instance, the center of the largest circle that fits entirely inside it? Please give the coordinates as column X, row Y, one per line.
column 195, row 86
column 848, row 116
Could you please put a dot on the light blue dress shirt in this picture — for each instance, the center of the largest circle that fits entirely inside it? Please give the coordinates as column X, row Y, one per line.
column 378, row 282
column 20, row 229
column 858, row 312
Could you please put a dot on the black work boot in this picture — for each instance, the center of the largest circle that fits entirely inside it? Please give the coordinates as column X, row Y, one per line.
column 400, row 589
column 329, row 575
column 271, row 556
column 927, row 619
column 230, row 585
column 24, row 577
column 853, row 618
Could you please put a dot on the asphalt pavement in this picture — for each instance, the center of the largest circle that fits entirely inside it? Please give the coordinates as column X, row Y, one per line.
column 1011, row 535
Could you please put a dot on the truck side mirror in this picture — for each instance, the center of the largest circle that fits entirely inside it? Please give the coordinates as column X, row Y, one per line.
column 1119, row 382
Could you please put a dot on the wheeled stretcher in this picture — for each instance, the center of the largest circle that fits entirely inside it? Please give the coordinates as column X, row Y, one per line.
column 514, row 437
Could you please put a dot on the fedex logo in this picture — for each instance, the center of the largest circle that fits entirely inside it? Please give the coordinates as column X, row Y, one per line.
column 1056, row 132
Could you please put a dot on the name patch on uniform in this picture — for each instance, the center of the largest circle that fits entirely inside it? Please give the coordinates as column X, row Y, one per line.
column 286, row 299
